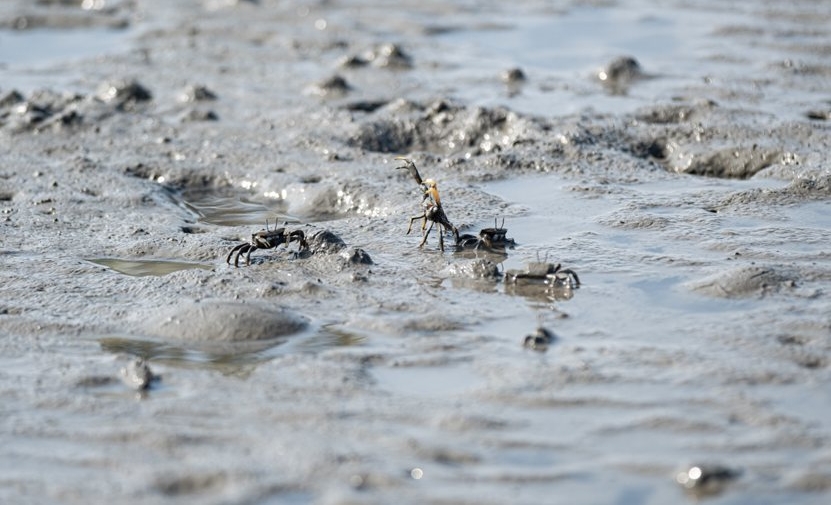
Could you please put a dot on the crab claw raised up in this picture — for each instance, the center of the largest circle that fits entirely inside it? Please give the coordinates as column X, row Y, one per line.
column 410, row 166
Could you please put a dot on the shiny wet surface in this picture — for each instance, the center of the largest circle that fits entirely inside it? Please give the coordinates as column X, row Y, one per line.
column 696, row 347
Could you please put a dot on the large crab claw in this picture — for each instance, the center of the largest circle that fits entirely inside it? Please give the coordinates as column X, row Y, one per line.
column 410, row 166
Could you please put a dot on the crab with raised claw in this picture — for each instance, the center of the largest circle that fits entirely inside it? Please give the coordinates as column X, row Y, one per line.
column 432, row 210
column 267, row 239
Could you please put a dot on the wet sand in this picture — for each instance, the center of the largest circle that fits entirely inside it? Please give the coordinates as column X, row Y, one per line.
column 674, row 158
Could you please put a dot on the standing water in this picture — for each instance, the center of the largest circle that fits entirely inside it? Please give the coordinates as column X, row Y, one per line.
column 672, row 157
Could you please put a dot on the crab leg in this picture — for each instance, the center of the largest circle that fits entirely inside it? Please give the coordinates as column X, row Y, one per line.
column 248, row 255
column 412, row 219
column 426, row 234
column 235, row 249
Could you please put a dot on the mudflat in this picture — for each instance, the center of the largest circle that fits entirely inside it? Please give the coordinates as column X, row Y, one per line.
column 637, row 310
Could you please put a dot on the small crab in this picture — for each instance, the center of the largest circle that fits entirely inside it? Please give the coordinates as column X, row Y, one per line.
column 267, row 239
column 494, row 239
column 432, row 210
column 549, row 274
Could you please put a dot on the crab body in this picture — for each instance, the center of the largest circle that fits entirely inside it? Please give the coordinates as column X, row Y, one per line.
column 267, row 239
column 490, row 239
column 549, row 274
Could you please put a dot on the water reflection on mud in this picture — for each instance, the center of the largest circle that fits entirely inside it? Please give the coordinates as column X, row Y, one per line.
column 229, row 207
column 227, row 356
column 690, row 198
column 141, row 268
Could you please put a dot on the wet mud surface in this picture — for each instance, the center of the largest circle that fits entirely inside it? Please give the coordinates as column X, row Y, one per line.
column 676, row 171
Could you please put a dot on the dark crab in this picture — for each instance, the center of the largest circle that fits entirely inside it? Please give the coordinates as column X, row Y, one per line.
column 432, row 210
column 267, row 239
column 493, row 239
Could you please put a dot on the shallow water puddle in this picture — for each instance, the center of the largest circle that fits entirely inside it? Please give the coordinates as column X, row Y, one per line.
column 41, row 46
column 427, row 381
column 24, row 52
column 225, row 358
column 555, row 210
column 811, row 215
column 142, row 268
column 669, row 294
column 230, row 357
column 573, row 42
column 302, row 202
column 230, row 208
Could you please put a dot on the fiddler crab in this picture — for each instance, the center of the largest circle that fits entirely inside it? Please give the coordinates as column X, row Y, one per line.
column 493, row 239
column 432, row 210
column 267, row 239
column 552, row 276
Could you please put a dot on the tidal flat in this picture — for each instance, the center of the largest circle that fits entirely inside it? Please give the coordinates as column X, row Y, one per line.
column 675, row 157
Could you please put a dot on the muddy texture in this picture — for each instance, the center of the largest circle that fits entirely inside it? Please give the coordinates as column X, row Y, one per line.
column 674, row 157
column 224, row 322
column 744, row 281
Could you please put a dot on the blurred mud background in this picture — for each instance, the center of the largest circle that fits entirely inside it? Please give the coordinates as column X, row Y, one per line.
column 675, row 157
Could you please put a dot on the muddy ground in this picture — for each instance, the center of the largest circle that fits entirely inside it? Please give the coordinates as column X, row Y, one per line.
column 674, row 158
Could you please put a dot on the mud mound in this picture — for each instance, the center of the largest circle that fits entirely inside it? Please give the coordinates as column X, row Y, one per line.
column 47, row 110
column 743, row 282
column 439, row 127
column 734, row 163
column 224, row 322
column 800, row 190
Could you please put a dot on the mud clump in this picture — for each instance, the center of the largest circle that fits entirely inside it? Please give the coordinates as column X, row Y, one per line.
column 357, row 256
column 743, row 282
column 620, row 74
column 540, row 339
column 702, row 481
column 799, row 190
column 734, row 163
column 386, row 55
column 440, row 127
column 137, row 375
column 335, row 86
column 324, row 241
column 328, row 243
column 197, row 93
column 47, row 110
column 513, row 76
column 124, row 94
column 674, row 113
column 480, row 269
column 41, row 111
column 225, row 322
